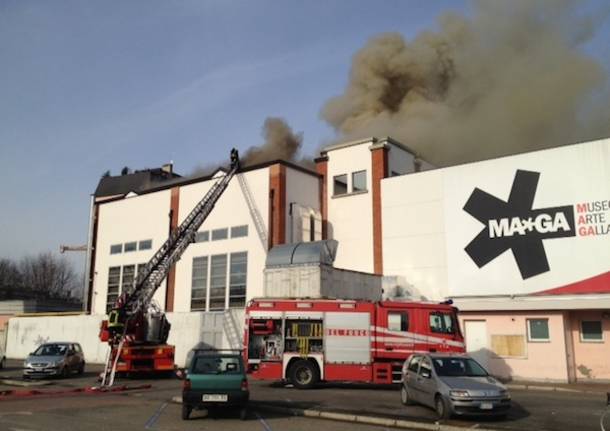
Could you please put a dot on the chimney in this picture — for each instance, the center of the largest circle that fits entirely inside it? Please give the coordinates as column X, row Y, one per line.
column 168, row 167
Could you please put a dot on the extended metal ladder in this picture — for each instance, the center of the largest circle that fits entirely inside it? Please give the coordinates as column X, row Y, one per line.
column 259, row 224
column 158, row 267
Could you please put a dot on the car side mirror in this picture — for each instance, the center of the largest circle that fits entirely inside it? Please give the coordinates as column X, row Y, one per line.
column 181, row 373
column 426, row 374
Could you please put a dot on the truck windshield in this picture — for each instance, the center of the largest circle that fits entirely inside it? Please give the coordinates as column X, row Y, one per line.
column 442, row 323
column 458, row 367
column 217, row 365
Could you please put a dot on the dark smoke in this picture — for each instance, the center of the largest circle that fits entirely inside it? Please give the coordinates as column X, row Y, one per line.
column 513, row 78
column 281, row 143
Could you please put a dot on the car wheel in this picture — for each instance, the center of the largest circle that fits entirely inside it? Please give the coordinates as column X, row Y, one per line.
column 404, row 396
column 442, row 410
column 243, row 413
column 65, row 372
column 303, row 375
column 186, row 412
column 2, row 363
column 81, row 368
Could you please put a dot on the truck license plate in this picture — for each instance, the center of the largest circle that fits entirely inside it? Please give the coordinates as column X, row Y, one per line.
column 215, row 398
column 486, row 406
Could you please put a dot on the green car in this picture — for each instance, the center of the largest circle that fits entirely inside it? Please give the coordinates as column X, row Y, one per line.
column 215, row 379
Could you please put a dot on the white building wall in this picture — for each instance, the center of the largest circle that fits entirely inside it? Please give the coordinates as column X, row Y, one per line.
column 426, row 229
column 414, row 232
column 189, row 330
column 350, row 216
column 400, row 161
column 230, row 210
column 131, row 219
column 303, row 191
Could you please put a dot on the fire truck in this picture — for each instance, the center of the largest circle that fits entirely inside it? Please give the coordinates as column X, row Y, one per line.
column 305, row 341
column 137, row 329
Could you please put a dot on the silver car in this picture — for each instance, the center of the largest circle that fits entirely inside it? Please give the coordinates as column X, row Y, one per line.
column 54, row 359
column 452, row 384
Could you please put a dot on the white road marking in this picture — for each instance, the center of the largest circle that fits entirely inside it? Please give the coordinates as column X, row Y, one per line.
column 262, row 421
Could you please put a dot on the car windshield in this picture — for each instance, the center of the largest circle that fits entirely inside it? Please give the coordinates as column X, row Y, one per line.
column 217, row 365
column 458, row 367
column 51, row 350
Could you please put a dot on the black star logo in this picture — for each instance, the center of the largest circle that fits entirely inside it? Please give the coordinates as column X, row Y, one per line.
column 528, row 249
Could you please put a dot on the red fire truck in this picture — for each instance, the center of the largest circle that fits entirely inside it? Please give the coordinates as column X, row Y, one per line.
column 308, row 340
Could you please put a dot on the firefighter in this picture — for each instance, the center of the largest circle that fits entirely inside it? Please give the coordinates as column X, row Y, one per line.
column 234, row 158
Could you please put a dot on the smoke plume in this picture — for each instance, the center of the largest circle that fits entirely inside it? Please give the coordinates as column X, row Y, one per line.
column 510, row 79
column 280, row 143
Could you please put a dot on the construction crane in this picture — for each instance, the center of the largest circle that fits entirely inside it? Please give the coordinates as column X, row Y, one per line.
column 137, row 329
column 65, row 248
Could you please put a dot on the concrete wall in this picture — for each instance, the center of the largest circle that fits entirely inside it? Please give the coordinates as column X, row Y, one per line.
column 429, row 237
column 188, row 330
column 590, row 357
column 414, row 232
column 131, row 219
column 231, row 210
column 350, row 216
column 542, row 361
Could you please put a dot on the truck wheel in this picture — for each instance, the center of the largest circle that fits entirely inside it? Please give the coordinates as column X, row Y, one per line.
column 186, row 412
column 304, row 375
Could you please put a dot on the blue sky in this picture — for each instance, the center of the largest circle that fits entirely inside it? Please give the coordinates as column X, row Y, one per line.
column 91, row 86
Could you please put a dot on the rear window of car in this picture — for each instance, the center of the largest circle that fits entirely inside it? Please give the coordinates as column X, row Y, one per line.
column 414, row 363
column 217, row 365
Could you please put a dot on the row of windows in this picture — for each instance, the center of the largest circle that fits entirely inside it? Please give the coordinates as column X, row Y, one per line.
column 209, row 281
column 119, row 280
column 538, row 330
column 358, row 183
column 223, row 233
column 131, row 246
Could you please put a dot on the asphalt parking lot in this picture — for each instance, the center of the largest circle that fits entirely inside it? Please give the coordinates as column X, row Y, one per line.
column 153, row 408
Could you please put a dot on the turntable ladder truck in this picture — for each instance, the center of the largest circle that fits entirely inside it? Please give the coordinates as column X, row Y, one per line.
column 137, row 329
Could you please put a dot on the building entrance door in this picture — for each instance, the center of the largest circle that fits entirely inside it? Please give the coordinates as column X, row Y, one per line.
column 476, row 340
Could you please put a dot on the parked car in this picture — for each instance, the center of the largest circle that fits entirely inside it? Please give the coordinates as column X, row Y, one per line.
column 54, row 359
column 452, row 384
column 215, row 379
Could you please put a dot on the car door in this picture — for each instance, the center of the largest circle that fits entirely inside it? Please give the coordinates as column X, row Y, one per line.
column 425, row 382
column 410, row 377
column 72, row 357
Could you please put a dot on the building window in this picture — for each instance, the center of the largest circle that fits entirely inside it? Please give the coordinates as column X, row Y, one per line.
column 398, row 321
column 218, row 281
column 238, row 275
column 146, row 244
column 312, row 228
column 129, row 272
column 239, row 231
column 359, row 181
column 114, row 286
column 116, row 249
column 218, row 234
column 199, row 283
column 340, row 185
column 538, row 330
column 131, row 246
column 202, row 236
column 591, row 330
